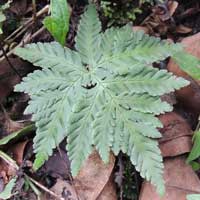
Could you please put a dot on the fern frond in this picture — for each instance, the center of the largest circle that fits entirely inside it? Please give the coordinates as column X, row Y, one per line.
column 50, row 111
column 146, row 80
column 103, row 129
column 79, row 137
column 88, row 38
column 146, row 156
column 143, row 103
column 50, row 55
column 132, row 49
column 48, row 79
column 144, row 152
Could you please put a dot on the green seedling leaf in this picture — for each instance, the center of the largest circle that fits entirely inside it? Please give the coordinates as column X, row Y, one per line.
column 58, row 23
column 195, row 152
column 7, row 192
column 195, row 165
column 17, row 134
column 193, row 197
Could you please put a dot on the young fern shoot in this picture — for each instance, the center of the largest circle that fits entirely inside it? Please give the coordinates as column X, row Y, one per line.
column 105, row 94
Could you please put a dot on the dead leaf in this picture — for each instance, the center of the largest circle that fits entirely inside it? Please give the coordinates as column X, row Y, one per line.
column 93, row 176
column 63, row 189
column 174, row 126
column 6, row 170
column 17, row 151
column 176, row 135
column 109, row 191
column 180, row 180
column 169, row 98
column 19, row 7
column 172, row 6
column 141, row 28
column 57, row 166
column 8, row 78
column 183, row 29
column 189, row 96
column 8, row 126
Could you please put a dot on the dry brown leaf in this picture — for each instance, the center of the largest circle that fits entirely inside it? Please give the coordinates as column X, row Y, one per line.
column 183, row 29
column 17, row 151
column 172, row 6
column 58, row 165
column 190, row 95
column 180, row 180
column 63, row 189
column 141, row 28
column 176, row 135
column 109, row 191
column 8, row 78
column 93, row 177
column 174, row 126
column 19, row 7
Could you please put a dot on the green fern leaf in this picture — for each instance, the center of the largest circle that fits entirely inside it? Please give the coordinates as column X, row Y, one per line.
column 79, row 136
column 193, row 197
column 88, row 38
column 50, row 55
column 127, row 49
column 103, row 129
column 103, row 95
column 145, row 80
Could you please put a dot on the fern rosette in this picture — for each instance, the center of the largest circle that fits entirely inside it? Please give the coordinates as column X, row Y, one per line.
column 104, row 94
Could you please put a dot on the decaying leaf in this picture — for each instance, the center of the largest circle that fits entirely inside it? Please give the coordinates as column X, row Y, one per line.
column 93, row 177
column 180, row 180
column 8, row 78
column 176, row 135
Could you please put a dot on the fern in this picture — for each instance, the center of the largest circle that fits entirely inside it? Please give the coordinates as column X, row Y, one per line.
column 105, row 94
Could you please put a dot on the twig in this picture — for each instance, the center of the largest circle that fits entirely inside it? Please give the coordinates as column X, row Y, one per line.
column 44, row 188
column 34, row 10
column 8, row 160
column 25, row 41
column 24, row 27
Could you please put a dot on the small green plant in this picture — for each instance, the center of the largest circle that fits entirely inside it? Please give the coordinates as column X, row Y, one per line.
column 58, row 23
column 105, row 94
column 194, row 71
column 122, row 12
